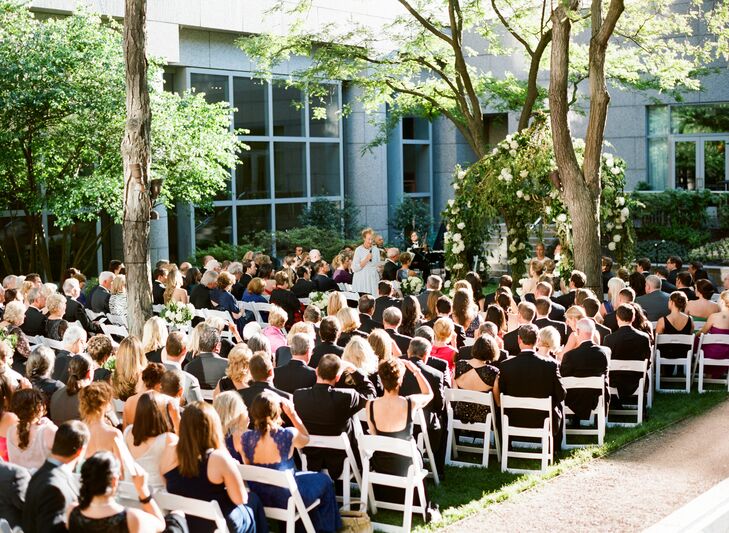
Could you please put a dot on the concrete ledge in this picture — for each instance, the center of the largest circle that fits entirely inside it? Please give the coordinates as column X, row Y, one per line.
column 708, row 513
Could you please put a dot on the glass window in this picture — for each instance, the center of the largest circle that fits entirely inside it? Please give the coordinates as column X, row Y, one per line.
column 212, row 227
column 252, row 174
column 712, row 118
column 287, row 215
column 685, row 165
column 415, row 128
column 324, row 114
column 715, row 174
column 658, row 163
column 225, row 193
column 416, row 168
column 288, row 112
column 252, row 219
column 214, row 87
column 168, row 81
column 324, row 159
column 658, row 120
column 250, row 97
column 289, row 161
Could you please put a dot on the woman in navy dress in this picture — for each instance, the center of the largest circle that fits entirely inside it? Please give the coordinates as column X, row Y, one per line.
column 226, row 301
column 272, row 446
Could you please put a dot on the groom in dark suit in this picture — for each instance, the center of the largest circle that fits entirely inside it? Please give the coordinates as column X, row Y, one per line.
column 627, row 344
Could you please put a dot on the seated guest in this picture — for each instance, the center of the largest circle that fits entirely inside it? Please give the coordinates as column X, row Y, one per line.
column 718, row 324
column 277, row 319
column 321, row 279
column 118, row 301
column 237, row 373
column 349, row 319
column 99, row 300
column 312, row 316
column 151, row 439
column 192, row 279
column 344, row 274
column 391, row 319
column 273, row 447
column 391, row 266
column 443, row 309
column 7, row 417
column 328, row 334
column 432, row 284
column 12, row 319
column 610, row 304
column 411, row 316
column 29, row 440
column 505, row 281
column 53, row 486
column 283, row 354
column 266, row 272
column 159, row 275
column 74, row 343
column 674, row 264
column 478, row 373
column 684, row 283
column 259, row 343
column 64, row 402
column 382, row 345
column 627, row 344
column 465, row 311
column 296, row 374
column 202, row 468
column 625, row 296
column 55, row 325
column 94, row 403
column 261, row 370
column 529, row 375
column 366, row 307
column 225, row 345
column 326, row 410
column 641, row 322
column 38, row 371
column 526, row 314
column 336, row 301
column 254, row 293
column 154, row 337
column 392, row 416
column 496, row 316
column 35, row 321
column 543, row 307
column 152, row 382
column 200, row 295
column 592, row 310
column 548, row 342
column 223, row 300
column 654, row 302
column 662, row 273
column 285, row 299
column 607, row 272
column 696, row 269
column 384, row 300
column 544, row 289
column 97, row 508
column 444, row 342
column 588, row 359
column 702, row 307
column 175, row 352
column 130, row 361
column 360, row 354
column 99, row 349
column 676, row 322
column 13, row 485
column 636, row 281
column 75, row 311
column 208, row 367
column 303, row 286
column 577, row 281
column 234, row 421
column 643, row 266
column 173, row 287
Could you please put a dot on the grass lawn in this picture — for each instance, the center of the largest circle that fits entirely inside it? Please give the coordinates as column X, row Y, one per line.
column 466, row 491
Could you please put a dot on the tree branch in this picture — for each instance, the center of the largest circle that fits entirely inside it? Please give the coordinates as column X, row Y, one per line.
column 511, row 30
column 425, row 22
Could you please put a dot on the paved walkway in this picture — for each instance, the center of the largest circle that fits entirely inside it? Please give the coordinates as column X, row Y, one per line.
column 627, row 491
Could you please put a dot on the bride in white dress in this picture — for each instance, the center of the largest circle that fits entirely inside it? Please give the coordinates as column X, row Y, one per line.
column 365, row 263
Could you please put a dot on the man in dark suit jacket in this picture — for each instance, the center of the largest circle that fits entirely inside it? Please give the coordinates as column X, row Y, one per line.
column 384, row 300
column 158, row 286
column 674, row 264
column 625, row 296
column 577, row 281
column 389, row 271
column 441, row 365
column 543, row 307
column 13, row 484
column 627, row 344
column 391, row 319
column 525, row 315
column 261, row 369
column 529, row 375
column 303, row 286
column 329, row 331
column 100, row 297
column 588, row 359
column 208, row 367
column 321, row 280
column 592, row 309
column 74, row 310
column 200, row 295
column 35, row 321
column 544, row 290
column 443, row 309
column 296, row 374
column 418, row 354
column 684, row 282
column 662, row 273
column 285, row 299
column 433, row 284
column 326, row 410
column 53, row 487
column 366, row 307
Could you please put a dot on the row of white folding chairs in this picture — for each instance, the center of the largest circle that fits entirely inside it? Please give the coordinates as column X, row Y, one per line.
column 691, row 372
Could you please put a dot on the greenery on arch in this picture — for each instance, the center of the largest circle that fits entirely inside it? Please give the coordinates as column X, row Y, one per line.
column 518, row 183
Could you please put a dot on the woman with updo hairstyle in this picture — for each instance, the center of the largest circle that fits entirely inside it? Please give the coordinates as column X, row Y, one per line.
column 412, row 318
column 536, row 269
column 99, row 348
column 676, row 322
column 548, row 342
column 65, row 401
column 30, row 439
column 118, row 301
column 237, row 374
column 505, row 300
column 343, row 273
column 234, row 420
column 202, row 468
column 94, row 402
column 274, row 332
column 273, row 447
column 174, row 291
column 97, row 508
column 130, row 361
column 702, row 307
column 474, row 280
column 392, row 416
column 55, row 325
column 151, row 383
column 479, row 374
column 38, row 371
column 381, row 343
column 445, row 341
column 573, row 315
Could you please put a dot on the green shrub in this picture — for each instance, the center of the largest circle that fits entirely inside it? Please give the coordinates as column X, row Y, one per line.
column 328, row 215
column 224, row 251
column 713, row 252
column 327, row 241
column 658, row 251
column 411, row 212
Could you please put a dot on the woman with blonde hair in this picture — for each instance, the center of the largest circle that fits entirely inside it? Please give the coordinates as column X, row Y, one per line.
column 536, row 269
column 615, row 285
column 237, row 374
column 13, row 318
column 94, row 401
column 55, row 324
column 548, row 342
column 360, row 353
column 336, row 302
column 154, row 338
column 173, row 287
column 465, row 311
column 274, row 332
column 130, row 361
column 364, row 264
column 430, row 310
column 118, row 303
column 445, row 341
column 234, row 419
column 382, row 344
column 572, row 316
column 349, row 318
column 343, row 272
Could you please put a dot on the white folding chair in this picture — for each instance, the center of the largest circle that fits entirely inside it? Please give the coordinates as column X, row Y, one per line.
column 208, row 510
column 94, row 316
column 260, row 307
column 207, row 395
column 118, row 407
column 543, row 433
column 345, row 287
column 675, row 363
column 157, row 308
column 424, row 445
column 641, row 367
column 708, row 339
column 597, row 414
column 117, row 320
column 295, row 509
column 109, row 330
column 486, row 429
column 222, row 315
column 51, row 343
column 414, row 480
column 350, row 470
column 34, row 340
column 351, row 296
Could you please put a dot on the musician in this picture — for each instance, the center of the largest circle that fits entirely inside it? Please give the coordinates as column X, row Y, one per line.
column 419, row 250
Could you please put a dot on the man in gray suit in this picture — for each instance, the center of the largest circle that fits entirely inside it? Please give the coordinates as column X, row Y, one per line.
column 433, row 284
column 53, row 487
column 13, row 484
column 175, row 350
column 654, row 302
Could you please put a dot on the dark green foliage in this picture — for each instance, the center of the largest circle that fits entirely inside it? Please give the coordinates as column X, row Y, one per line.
column 329, row 215
column 716, row 252
column 410, row 211
column 328, row 242
column 659, row 251
column 223, row 252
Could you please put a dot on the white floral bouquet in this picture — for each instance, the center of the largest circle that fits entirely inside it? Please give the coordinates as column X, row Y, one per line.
column 412, row 286
column 177, row 314
column 319, row 299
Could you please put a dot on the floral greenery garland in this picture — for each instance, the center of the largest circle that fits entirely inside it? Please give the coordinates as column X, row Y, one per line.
column 513, row 183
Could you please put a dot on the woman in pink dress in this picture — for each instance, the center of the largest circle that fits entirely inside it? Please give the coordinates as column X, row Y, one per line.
column 718, row 324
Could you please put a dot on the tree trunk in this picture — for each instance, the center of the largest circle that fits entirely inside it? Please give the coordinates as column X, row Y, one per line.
column 136, row 153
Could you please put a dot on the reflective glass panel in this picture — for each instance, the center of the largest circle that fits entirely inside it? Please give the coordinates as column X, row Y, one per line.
column 287, row 215
column 416, row 168
column 715, row 165
column 288, row 112
column 212, row 227
column 685, row 164
column 325, row 172
column 252, row 174
column 250, row 98
column 252, row 219
column 290, row 169
column 215, row 87
column 658, row 120
column 324, row 114
column 709, row 118
column 658, row 163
